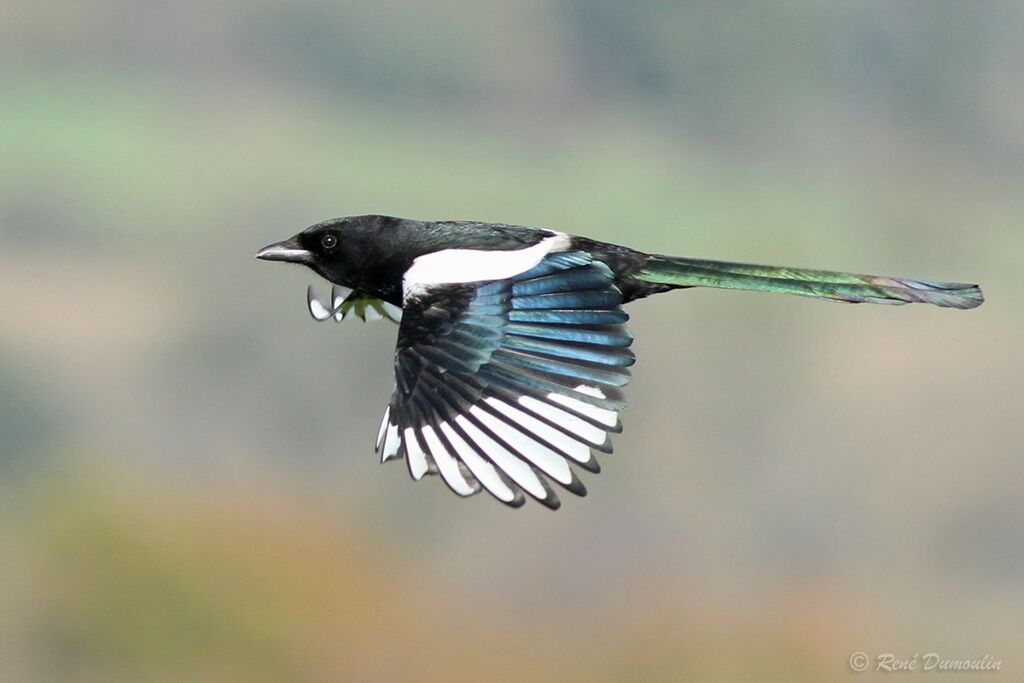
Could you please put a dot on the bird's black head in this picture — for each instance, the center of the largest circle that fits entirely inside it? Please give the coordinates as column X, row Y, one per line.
column 357, row 252
column 320, row 247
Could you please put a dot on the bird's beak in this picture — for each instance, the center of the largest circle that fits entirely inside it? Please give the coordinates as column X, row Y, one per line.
column 289, row 251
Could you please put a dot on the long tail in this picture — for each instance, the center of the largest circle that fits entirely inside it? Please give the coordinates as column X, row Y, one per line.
column 820, row 284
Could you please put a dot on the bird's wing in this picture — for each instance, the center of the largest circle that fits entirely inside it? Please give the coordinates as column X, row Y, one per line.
column 346, row 304
column 502, row 384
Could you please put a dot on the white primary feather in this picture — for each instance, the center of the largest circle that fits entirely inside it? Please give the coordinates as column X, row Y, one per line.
column 507, row 462
column 383, row 428
column 392, row 443
column 546, row 460
column 415, row 454
column 446, row 464
column 481, row 469
column 531, row 425
column 596, row 413
column 583, row 429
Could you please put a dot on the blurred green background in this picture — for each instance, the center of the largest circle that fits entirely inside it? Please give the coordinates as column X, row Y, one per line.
column 187, row 485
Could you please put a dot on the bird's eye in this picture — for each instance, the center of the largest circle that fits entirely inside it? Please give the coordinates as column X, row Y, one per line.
column 329, row 241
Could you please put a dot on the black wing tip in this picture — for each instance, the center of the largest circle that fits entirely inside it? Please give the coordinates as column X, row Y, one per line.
column 551, row 501
column 517, row 502
column 575, row 486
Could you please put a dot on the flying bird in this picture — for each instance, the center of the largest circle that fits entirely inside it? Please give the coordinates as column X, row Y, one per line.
column 512, row 348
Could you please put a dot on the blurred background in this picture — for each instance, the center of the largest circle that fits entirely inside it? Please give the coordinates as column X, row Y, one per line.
column 188, row 490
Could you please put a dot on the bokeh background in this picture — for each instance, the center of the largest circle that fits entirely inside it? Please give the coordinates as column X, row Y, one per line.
column 187, row 485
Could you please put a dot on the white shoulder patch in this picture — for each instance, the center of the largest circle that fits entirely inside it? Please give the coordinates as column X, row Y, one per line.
column 457, row 266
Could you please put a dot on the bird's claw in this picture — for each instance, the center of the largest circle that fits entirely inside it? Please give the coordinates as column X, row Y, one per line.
column 334, row 309
column 346, row 303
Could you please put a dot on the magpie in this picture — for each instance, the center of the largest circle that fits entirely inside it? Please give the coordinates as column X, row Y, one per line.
column 512, row 349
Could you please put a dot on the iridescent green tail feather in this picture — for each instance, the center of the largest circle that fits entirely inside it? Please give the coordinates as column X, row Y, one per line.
column 820, row 284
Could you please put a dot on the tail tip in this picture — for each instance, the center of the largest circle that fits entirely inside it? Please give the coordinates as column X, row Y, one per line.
column 974, row 297
column 964, row 297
